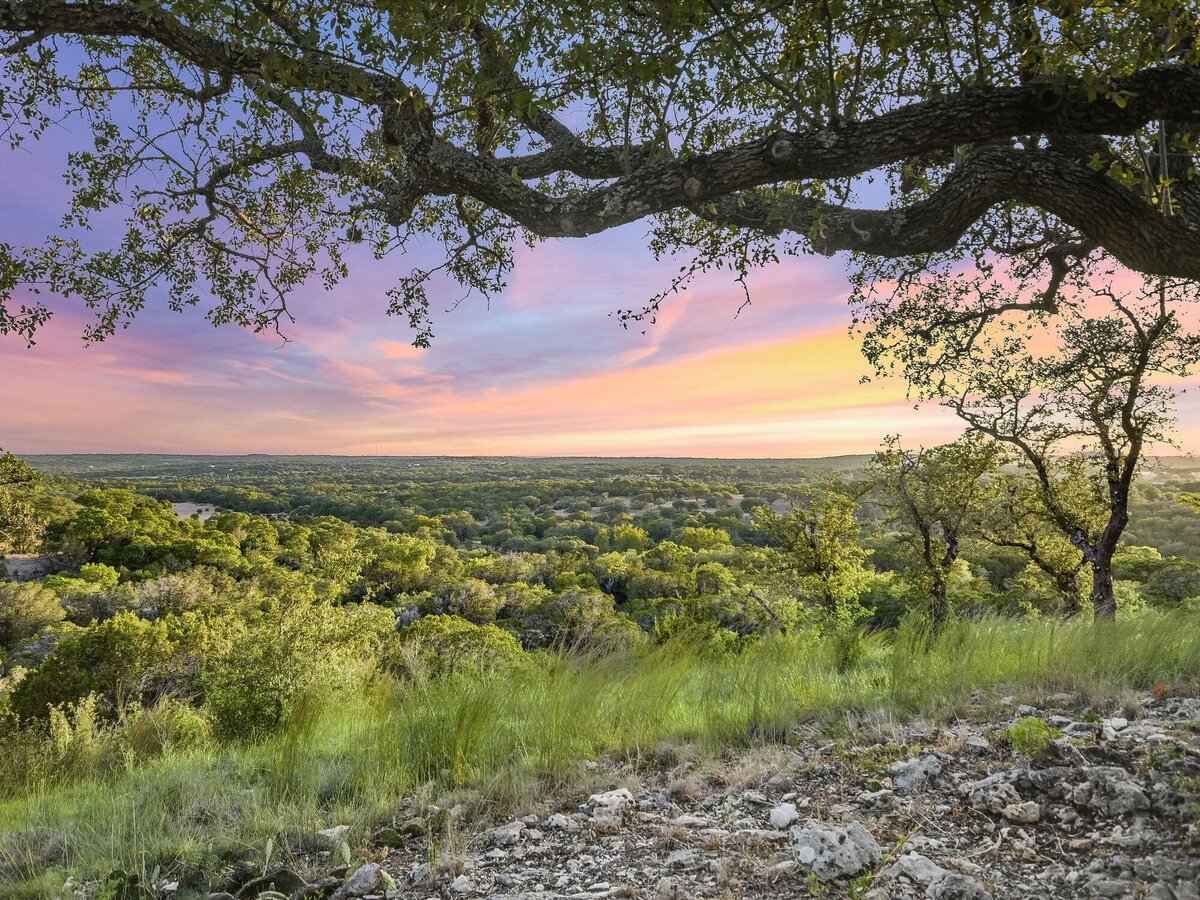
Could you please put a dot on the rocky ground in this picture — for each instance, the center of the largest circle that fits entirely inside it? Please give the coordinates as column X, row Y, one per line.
column 1109, row 808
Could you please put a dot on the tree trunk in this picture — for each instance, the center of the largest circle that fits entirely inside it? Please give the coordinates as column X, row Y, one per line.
column 938, row 608
column 1104, row 604
column 1068, row 587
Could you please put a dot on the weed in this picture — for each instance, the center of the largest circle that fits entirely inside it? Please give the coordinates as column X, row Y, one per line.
column 1031, row 736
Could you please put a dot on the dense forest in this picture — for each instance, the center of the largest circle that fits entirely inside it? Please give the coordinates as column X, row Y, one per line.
column 271, row 574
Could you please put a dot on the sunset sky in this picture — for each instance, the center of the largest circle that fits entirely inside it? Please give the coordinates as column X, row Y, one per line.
column 546, row 370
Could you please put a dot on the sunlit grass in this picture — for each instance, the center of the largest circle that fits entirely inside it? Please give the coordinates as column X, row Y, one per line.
column 354, row 757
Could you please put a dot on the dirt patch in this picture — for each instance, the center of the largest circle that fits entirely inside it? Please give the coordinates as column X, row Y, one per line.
column 25, row 566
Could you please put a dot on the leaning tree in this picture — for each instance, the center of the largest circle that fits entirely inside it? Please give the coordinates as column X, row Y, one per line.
column 235, row 149
column 1078, row 393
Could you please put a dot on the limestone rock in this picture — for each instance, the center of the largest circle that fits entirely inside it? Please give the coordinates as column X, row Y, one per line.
column 611, row 807
column 920, row 869
column 834, row 851
column 367, row 880
column 1026, row 813
column 957, row 887
column 1115, row 792
column 913, row 774
column 784, row 814
column 507, row 835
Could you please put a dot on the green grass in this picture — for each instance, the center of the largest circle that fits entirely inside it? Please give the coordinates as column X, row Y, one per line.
column 355, row 758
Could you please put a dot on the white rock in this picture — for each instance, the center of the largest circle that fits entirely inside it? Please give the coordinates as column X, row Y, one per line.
column 783, row 815
column 1117, row 723
column 682, row 859
column 912, row 774
column 331, row 837
column 367, row 880
column 557, row 822
column 507, row 835
column 609, row 808
column 461, row 885
column 1026, row 813
column 834, row 851
column 920, row 869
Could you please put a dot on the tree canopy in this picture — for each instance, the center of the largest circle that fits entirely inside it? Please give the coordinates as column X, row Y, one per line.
column 246, row 145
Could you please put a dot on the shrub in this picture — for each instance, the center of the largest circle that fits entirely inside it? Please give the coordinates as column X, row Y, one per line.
column 250, row 689
column 25, row 609
column 472, row 599
column 259, row 673
column 440, row 645
column 116, row 659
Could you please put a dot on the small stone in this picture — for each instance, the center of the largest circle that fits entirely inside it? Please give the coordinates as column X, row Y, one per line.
column 920, row 869
column 682, row 859
column 784, row 815
column 461, row 885
column 912, row 774
column 507, row 835
column 1117, row 723
column 557, row 822
column 1026, row 813
column 367, row 880
column 330, row 837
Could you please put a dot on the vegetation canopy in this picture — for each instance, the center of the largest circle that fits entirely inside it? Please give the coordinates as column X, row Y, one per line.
column 248, row 145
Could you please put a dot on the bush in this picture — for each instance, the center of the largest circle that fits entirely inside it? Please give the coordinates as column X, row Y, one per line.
column 25, row 609
column 117, row 659
column 259, row 674
column 250, row 689
column 436, row 646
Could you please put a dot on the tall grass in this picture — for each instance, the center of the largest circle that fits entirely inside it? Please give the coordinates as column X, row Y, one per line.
column 354, row 758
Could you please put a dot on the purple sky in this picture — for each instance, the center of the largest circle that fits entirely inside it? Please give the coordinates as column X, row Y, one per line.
column 545, row 370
